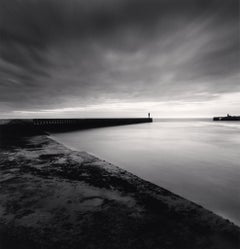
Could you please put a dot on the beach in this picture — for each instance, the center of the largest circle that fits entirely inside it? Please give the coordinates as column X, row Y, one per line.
column 55, row 197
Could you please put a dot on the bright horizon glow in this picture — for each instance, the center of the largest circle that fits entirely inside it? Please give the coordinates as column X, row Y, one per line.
column 227, row 103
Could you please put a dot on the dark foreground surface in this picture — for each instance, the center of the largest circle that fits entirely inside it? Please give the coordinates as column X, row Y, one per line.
column 52, row 197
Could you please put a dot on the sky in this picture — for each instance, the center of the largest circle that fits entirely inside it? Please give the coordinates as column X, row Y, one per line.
column 119, row 58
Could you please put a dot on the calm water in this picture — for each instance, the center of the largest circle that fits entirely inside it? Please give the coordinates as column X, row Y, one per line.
column 198, row 159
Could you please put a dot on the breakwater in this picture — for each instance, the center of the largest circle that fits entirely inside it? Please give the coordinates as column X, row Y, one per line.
column 33, row 126
column 227, row 118
column 52, row 124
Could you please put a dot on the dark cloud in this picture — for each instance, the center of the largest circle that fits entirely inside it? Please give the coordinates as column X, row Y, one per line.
column 68, row 53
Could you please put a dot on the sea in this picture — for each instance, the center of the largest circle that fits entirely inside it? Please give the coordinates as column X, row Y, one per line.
column 198, row 159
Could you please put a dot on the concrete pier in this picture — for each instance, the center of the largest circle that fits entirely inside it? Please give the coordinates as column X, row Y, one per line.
column 56, row 198
column 55, row 124
column 227, row 118
column 32, row 126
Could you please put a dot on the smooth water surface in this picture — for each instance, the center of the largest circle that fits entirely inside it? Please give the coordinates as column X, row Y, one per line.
column 197, row 159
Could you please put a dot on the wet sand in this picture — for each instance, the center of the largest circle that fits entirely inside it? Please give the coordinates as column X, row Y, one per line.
column 53, row 197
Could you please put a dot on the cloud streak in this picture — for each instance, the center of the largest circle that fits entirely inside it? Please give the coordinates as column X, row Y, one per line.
column 72, row 54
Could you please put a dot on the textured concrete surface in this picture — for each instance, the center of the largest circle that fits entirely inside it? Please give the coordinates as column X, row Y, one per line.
column 53, row 197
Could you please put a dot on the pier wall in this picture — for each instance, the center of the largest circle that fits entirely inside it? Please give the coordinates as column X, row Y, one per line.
column 31, row 126
column 78, row 124
column 227, row 118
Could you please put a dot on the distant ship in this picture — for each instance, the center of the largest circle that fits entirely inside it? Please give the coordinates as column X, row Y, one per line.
column 227, row 118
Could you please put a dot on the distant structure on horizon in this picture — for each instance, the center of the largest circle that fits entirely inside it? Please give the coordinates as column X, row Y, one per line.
column 227, row 118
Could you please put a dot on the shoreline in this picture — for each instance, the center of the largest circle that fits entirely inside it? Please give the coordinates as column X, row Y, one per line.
column 59, row 195
column 53, row 137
